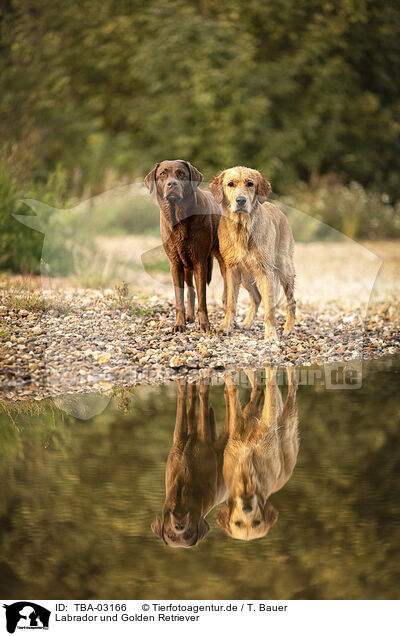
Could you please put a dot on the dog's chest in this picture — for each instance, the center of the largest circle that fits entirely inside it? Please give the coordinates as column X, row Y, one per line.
column 237, row 246
column 178, row 244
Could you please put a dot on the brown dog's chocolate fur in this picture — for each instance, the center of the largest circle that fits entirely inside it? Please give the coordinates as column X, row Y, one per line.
column 189, row 230
column 193, row 482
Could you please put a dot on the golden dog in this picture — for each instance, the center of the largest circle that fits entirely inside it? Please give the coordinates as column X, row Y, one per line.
column 256, row 241
column 260, row 455
column 194, row 481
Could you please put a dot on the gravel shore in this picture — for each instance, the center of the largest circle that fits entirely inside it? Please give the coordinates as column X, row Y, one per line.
column 84, row 341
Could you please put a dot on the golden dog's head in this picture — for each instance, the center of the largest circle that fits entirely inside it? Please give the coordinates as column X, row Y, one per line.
column 247, row 519
column 240, row 189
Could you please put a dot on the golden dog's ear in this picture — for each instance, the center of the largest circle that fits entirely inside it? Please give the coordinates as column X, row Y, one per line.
column 195, row 176
column 223, row 518
column 150, row 179
column 270, row 514
column 203, row 528
column 263, row 188
column 216, row 188
column 156, row 527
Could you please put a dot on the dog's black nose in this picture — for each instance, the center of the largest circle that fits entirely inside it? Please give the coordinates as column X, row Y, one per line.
column 179, row 526
column 241, row 200
column 247, row 507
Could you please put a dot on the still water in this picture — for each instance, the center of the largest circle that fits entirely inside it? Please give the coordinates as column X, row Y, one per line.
column 274, row 493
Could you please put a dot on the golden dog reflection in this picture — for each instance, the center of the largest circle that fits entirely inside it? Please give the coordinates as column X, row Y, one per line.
column 259, row 456
column 193, row 482
column 252, row 458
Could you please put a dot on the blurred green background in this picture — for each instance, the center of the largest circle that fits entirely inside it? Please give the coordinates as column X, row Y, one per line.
column 93, row 94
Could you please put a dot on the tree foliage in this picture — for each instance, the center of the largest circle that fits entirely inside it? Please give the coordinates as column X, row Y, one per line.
column 296, row 89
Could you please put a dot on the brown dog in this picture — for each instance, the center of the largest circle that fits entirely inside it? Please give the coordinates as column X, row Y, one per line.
column 189, row 232
column 255, row 238
column 260, row 455
column 193, row 480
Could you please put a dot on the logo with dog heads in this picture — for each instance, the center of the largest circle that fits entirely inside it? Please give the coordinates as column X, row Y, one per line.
column 26, row 615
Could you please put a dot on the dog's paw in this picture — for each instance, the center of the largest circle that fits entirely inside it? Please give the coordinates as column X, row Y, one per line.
column 204, row 327
column 179, row 328
column 271, row 336
column 288, row 328
column 190, row 318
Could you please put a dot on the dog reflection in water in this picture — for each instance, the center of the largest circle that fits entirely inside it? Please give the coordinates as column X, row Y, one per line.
column 260, row 454
column 194, row 481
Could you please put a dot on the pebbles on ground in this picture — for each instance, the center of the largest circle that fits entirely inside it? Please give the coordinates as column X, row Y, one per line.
column 88, row 341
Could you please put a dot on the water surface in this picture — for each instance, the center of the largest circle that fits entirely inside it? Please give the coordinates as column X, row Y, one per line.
column 79, row 497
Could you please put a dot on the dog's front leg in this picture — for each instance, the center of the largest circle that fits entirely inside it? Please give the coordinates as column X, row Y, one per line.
column 233, row 279
column 200, row 275
column 254, row 296
column 268, row 296
column 190, row 295
column 177, row 272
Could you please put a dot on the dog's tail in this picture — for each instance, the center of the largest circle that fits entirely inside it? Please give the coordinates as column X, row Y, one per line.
column 209, row 268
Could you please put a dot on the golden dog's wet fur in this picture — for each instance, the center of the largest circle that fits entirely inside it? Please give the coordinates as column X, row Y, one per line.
column 256, row 242
column 194, row 481
column 260, row 454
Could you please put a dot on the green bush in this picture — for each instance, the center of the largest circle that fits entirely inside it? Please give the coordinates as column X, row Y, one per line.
column 20, row 248
column 350, row 209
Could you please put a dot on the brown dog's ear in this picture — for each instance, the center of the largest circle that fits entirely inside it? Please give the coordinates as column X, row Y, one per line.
column 150, row 179
column 216, row 188
column 270, row 514
column 156, row 527
column 263, row 188
column 223, row 518
column 202, row 530
column 195, row 176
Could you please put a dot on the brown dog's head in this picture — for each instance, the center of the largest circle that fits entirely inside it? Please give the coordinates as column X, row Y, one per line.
column 174, row 180
column 180, row 531
column 247, row 519
column 239, row 189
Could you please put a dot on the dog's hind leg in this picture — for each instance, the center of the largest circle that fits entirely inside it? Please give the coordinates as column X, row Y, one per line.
column 252, row 410
column 287, row 282
column 222, row 268
column 191, row 296
column 207, row 428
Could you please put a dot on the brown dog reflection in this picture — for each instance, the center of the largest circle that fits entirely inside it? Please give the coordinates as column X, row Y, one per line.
column 194, row 483
column 260, row 454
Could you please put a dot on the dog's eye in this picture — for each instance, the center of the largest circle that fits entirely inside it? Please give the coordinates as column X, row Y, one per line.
column 231, row 184
column 162, row 174
column 256, row 523
column 181, row 175
column 250, row 184
column 238, row 523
